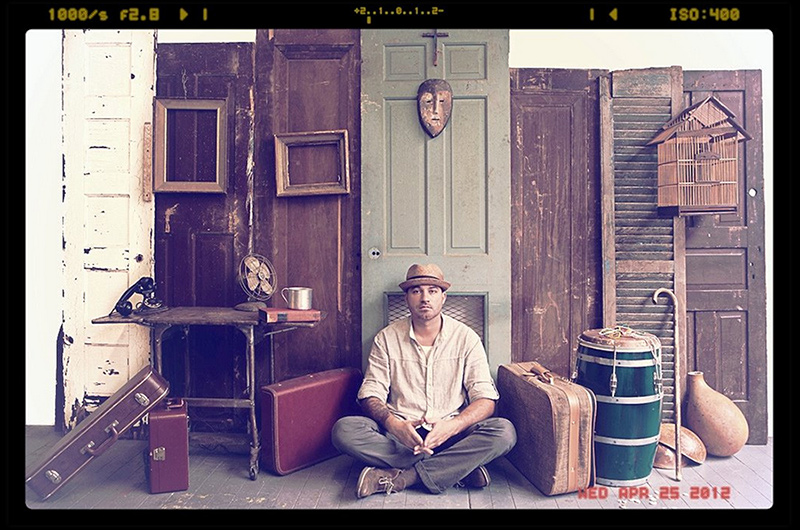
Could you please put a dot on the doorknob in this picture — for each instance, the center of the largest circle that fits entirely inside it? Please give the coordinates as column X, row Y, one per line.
column 374, row 253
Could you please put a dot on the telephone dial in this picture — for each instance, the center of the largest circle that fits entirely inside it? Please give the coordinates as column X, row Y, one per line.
column 145, row 286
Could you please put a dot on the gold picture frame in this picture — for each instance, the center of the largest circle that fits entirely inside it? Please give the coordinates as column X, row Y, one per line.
column 312, row 163
column 191, row 146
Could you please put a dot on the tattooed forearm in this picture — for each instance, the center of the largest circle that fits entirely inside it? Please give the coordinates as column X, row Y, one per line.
column 376, row 409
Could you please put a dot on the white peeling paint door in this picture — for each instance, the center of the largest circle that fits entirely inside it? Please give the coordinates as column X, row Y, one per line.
column 108, row 208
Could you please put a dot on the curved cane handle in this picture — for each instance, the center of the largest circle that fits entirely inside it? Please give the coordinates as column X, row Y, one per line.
column 664, row 290
column 678, row 455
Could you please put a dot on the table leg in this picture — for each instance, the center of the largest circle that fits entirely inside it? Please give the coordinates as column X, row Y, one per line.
column 270, row 334
column 156, row 339
column 255, row 443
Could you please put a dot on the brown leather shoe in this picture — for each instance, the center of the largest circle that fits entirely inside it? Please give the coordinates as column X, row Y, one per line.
column 478, row 478
column 377, row 480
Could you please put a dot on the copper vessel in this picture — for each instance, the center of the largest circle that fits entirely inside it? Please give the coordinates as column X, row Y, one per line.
column 714, row 417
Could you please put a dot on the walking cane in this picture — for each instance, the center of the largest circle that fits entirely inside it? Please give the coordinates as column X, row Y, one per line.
column 671, row 294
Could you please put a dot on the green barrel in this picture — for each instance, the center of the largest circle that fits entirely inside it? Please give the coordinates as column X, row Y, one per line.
column 623, row 368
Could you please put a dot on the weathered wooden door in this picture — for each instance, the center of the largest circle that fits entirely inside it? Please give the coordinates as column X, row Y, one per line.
column 289, row 81
column 725, row 263
column 308, row 81
column 444, row 199
column 201, row 237
column 714, row 263
column 108, row 88
column 642, row 251
column 555, row 259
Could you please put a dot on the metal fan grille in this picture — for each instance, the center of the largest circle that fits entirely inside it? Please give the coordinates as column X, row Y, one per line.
column 257, row 277
column 468, row 308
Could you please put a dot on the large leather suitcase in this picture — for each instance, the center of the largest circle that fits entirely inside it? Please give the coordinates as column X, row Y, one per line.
column 297, row 416
column 167, row 454
column 554, row 418
column 97, row 432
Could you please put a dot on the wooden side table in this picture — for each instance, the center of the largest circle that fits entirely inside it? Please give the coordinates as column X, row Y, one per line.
column 252, row 324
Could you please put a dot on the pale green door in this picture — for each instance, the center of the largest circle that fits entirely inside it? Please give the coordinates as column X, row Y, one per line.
column 443, row 200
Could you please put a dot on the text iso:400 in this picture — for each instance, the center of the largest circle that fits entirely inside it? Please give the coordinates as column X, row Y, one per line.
column 693, row 14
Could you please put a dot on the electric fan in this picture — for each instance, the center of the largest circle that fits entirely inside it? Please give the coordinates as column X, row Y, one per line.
column 257, row 278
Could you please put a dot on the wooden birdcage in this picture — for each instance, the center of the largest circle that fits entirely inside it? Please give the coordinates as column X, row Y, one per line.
column 698, row 160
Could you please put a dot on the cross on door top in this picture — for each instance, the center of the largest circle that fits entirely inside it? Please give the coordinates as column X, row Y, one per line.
column 435, row 36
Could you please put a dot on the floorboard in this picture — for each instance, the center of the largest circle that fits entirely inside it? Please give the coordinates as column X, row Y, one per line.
column 219, row 481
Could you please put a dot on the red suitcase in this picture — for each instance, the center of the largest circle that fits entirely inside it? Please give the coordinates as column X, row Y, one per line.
column 96, row 433
column 167, row 455
column 297, row 416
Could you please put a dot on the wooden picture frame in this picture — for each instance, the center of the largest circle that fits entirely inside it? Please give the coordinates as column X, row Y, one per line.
column 312, row 163
column 191, row 146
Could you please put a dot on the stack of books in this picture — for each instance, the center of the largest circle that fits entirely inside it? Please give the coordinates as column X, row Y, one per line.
column 279, row 314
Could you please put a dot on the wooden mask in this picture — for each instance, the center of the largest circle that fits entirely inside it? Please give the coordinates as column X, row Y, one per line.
column 435, row 103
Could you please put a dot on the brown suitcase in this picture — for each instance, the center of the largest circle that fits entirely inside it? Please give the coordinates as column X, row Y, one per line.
column 97, row 432
column 297, row 416
column 167, row 454
column 554, row 418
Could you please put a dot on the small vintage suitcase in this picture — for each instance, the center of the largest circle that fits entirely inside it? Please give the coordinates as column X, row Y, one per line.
column 554, row 418
column 167, row 455
column 297, row 416
column 96, row 433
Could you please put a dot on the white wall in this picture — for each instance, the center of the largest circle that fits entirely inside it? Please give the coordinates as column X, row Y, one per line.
column 43, row 210
column 606, row 49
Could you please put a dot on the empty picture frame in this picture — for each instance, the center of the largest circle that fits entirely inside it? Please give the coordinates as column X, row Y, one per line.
column 191, row 146
column 312, row 163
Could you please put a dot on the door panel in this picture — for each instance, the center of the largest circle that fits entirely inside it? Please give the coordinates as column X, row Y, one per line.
column 642, row 251
column 555, row 215
column 725, row 263
column 200, row 238
column 108, row 219
column 308, row 80
column 444, row 199
column 467, row 183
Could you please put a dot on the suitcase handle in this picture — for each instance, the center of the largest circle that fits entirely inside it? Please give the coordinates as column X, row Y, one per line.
column 541, row 372
column 173, row 403
column 100, row 449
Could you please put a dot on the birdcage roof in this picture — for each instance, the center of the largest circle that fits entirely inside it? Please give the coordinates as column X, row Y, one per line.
column 709, row 114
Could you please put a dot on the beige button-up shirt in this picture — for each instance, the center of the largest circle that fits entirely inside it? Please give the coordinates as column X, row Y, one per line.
column 415, row 386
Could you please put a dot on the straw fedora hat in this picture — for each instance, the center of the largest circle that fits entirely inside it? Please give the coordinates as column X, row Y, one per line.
column 424, row 275
column 692, row 447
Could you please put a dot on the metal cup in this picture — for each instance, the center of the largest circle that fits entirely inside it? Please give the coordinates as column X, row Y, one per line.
column 297, row 297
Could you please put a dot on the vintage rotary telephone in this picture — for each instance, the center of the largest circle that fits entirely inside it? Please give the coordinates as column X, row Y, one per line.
column 144, row 286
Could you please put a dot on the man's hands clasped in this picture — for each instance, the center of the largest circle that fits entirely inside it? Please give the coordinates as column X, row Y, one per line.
column 406, row 432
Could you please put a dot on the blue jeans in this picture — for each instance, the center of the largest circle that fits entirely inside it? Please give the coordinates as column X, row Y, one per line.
column 365, row 440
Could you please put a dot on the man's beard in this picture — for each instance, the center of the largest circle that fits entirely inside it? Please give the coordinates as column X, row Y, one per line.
column 426, row 313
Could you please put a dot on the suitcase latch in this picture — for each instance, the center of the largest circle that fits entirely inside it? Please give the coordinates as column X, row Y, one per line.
column 159, row 453
column 142, row 399
column 53, row 476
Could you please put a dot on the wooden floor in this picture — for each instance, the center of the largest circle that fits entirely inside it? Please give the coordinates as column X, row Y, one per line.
column 219, row 480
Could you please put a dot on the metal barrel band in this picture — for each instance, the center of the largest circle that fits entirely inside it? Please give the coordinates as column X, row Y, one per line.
column 633, row 400
column 610, row 347
column 627, row 442
column 614, row 483
column 635, row 363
